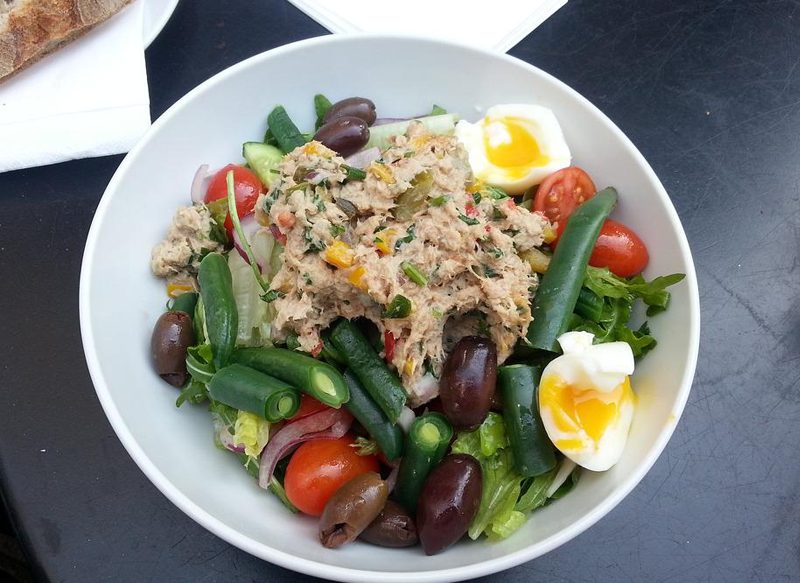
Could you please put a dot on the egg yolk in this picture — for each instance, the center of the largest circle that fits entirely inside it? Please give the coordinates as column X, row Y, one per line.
column 510, row 145
column 586, row 408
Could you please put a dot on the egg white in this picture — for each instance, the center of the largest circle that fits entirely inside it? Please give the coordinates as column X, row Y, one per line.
column 539, row 122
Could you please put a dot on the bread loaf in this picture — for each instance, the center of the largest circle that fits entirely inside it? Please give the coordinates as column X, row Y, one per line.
column 30, row 29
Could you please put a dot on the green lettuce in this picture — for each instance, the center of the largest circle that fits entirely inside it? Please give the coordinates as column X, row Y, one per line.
column 501, row 483
column 254, row 314
column 611, row 305
column 250, row 431
column 507, row 497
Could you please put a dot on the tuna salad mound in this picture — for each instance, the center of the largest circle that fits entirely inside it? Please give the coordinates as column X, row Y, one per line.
column 417, row 231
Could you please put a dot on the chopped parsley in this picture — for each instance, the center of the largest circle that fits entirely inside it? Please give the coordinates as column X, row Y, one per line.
column 272, row 295
column 313, row 245
column 410, row 236
column 468, row 220
column 438, row 201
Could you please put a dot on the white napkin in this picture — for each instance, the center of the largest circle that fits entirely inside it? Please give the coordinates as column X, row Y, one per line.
column 497, row 25
column 87, row 99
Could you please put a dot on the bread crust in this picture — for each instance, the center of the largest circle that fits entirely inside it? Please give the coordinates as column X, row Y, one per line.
column 31, row 29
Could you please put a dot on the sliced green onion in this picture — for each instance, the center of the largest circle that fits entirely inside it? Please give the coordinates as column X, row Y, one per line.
column 354, row 173
column 399, row 307
column 413, row 273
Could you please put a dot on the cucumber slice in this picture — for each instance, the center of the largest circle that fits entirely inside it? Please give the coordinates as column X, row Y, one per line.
column 436, row 124
column 264, row 160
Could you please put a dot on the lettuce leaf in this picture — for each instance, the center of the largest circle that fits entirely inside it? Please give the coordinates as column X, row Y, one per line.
column 501, row 483
column 252, row 432
column 254, row 314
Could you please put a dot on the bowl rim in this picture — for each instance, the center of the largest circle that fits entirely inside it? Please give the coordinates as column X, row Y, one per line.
column 319, row 569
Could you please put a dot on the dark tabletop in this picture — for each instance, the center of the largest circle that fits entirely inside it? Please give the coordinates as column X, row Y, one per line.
column 710, row 93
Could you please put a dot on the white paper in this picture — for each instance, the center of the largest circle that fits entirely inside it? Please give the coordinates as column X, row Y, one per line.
column 497, row 25
column 89, row 98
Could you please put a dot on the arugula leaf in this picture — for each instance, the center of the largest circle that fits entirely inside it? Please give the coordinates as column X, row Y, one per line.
column 321, row 106
column 610, row 322
column 654, row 293
column 194, row 392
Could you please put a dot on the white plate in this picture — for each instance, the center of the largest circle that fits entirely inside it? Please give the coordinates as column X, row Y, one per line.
column 155, row 17
column 120, row 300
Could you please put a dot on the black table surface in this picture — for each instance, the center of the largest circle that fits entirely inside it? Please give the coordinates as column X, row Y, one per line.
column 709, row 90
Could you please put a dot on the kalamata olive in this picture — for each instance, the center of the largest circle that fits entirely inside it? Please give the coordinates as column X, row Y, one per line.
column 359, row 107
column 345, row 135
column 351, row 508
column 393, row 527
column 448, row 502
column 466, row 388
column 172, row 335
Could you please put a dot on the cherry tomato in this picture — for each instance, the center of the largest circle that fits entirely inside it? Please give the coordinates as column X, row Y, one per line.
column 560, row 194
column 318, row 468
column 308, row 406
column 619, row 249
column 246, row 187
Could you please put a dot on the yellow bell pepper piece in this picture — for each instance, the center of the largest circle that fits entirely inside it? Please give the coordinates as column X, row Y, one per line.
column 339, row 254
column 384, row 241
column 548, row 233
column 382, row 173
column 356, row 277
column 176, row 289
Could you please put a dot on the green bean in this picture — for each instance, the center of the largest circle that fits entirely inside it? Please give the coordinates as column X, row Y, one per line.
column 386, row 434
column 247, row 389
column 532, row 450
column 558, row 292
column 381, row 383
column 221, row 315
column 309, row 375
column 426, row 443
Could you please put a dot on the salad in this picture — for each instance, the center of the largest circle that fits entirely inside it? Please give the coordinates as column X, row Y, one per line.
column 414, row 329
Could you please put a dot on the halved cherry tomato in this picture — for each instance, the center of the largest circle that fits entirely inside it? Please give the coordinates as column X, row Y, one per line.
column 619, row 249
column 560, row 194
column 246, row 187
column 308, row 406
column 319, row 468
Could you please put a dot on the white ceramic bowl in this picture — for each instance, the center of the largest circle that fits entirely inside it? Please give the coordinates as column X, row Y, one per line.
column 120, row 300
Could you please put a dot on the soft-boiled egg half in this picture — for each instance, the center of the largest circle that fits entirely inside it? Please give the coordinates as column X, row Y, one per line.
column 586, row 401
column 514, row 147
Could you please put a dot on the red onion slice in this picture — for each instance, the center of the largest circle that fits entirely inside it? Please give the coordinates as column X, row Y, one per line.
column 363, row 158
column 391, row 479
column 226, row 439
column 200, row 184
column 249, row 227
column 327, row 424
